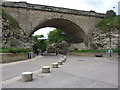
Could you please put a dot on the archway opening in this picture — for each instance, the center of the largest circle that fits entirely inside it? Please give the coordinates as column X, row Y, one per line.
column 75, row 33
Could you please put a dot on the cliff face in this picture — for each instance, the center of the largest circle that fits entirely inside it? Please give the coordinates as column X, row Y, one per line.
column 101, row 39
column 12, row 35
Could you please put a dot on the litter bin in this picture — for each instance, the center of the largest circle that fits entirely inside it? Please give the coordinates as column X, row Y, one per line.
column 30, row 55
column 109, row 51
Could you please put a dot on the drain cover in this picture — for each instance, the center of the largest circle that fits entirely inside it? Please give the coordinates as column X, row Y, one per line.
column 80, row 60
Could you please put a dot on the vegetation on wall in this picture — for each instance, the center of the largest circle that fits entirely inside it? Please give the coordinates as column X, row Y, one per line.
column 13, row 23
column 110, row 14
column 110, row 18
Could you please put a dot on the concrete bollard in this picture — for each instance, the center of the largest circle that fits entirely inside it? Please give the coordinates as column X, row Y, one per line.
column 27, row 76
column 63, row 60
column 45, row 69
column 60, row 62
column 55, row 65
column 63, row 57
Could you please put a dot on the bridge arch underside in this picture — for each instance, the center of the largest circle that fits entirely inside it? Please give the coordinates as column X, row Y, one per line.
column 75, row 33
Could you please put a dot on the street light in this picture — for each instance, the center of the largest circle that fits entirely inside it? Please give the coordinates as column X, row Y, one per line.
column 110, row 50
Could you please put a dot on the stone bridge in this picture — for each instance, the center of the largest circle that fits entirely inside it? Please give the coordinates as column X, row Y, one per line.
column 77, row 24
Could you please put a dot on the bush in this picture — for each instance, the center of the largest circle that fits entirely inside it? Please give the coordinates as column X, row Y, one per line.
column 110, row 13
column 14, row 50
column 110, row 18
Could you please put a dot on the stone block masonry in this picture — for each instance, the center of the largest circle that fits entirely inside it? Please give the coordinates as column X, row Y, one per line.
column 78, row 24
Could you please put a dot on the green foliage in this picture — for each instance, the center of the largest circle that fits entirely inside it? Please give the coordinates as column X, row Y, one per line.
column 112, row 19
column 114, row 23
column 7, row 16
column 39, row 44
column 57, row 36
column 43, row 45
column 14, row 50
column 39, row 36
column 110, row 14
column 116, row 50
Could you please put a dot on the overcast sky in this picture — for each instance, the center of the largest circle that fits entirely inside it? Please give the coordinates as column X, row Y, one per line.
column 100, row 6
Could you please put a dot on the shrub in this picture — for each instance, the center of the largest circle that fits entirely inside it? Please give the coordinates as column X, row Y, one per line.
column 110, row 13
column 14, row 50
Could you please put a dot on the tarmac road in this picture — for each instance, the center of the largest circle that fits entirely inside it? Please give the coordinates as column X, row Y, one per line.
column 77, row 72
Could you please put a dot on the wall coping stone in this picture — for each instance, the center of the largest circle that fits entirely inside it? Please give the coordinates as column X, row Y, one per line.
column 28, row 6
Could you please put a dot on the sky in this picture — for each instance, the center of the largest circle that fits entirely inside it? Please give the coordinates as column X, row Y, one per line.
column 100, row 6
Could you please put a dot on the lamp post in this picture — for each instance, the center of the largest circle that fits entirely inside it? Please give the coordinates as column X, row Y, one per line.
column 110, row 50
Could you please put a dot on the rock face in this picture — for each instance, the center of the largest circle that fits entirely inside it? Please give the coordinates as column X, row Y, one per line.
column 98, row 40
column 78, row 46
column 13, row 37
column 101, row 39
column 62, row 48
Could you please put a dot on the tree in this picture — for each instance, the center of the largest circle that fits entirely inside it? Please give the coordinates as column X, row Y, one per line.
column 112, row 19
column 110, row 14
column 57, row 36
column 39, row 36
column 39, row 44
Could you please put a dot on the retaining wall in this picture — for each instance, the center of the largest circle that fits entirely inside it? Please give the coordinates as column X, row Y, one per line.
column 114, row 55
column 12, row 57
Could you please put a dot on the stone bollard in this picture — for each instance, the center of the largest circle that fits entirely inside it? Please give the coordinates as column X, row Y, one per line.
column 45, row 69
column 60, row 62
column 63, row 60
column 63, row 57
column 27, row 76
column 55, row 65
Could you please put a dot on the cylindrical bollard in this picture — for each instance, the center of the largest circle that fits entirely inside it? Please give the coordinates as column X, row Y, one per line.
column 55, row 65
column 27, row 76
column 65, row 58
column 45, row 69
column 60, row 62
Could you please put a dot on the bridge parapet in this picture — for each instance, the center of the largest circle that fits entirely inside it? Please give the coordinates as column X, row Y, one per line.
column 52, row 9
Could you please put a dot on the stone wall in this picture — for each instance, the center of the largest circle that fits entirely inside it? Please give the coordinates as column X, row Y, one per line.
column 78, row 46
column 31, row 17
column 26, row 5
column 101, row 40
column 12, row 57
column 77, row 24
column 13, row 37
column 92, row 54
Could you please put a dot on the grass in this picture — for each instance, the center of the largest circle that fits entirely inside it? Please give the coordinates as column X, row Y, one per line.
column 117, row 50
column 14, row 50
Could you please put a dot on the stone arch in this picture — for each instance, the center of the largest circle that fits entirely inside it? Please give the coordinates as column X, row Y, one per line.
column 76, row 33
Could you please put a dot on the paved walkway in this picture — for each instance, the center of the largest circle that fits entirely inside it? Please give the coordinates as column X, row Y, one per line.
column 77, row 72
